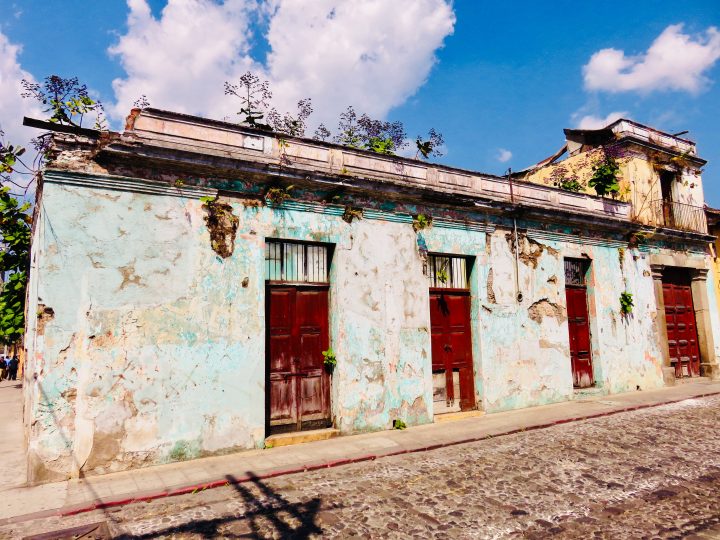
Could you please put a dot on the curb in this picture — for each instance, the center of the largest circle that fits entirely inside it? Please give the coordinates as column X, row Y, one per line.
column 194, row 488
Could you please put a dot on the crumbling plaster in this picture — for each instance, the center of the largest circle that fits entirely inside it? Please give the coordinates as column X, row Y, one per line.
column 156, row 350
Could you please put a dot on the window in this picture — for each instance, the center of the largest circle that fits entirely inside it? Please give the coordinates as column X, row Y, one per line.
column 448, row 272
column 575, row 271
column 296, row 261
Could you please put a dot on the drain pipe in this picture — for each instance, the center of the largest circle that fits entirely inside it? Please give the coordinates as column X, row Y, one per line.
column 518, row 294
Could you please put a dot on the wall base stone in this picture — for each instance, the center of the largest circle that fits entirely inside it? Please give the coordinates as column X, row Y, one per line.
column 711, row 370
column 668, row 375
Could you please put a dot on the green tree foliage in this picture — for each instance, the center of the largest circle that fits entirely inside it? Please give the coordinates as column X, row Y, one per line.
column 14, row 258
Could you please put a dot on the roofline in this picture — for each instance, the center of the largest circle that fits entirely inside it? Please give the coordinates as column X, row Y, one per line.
column 688, row 141
column 328, row 144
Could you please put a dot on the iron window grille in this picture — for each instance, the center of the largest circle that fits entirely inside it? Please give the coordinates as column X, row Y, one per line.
column 301, row 262
column 576, row 271
column 448, row 272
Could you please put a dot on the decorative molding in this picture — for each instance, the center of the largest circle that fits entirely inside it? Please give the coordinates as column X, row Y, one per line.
column 657, row 271
column 125, row 183
column 538, row 234
column 698, row 274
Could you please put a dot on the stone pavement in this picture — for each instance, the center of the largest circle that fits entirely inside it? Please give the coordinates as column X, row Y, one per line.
column 249, row 468
column 651, row 473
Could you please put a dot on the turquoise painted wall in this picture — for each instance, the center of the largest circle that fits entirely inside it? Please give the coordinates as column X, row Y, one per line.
column 156, row 350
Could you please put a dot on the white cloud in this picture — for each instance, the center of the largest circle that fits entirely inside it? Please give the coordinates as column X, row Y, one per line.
column 674, row 61
column 369, row 53
column 591, row 121
column 181, row 60
column 12, row 106
column 503, row 155
column 372, row 54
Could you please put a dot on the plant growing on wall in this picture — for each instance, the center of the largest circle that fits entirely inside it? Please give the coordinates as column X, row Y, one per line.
column 222, row 225
column 626, row 303
column 351, row 213
column 399, row 424
column 605, row 177
column 356, row 131
column 369, row 134
column 254, row 95
column 278, row 195
column 66, row 100
column 430, row 146
column 294, row 125
column 569, row 184
column 329, row 359
column 141, row 102
column 421, row 222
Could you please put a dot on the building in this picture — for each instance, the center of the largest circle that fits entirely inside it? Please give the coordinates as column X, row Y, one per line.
column 189, row 274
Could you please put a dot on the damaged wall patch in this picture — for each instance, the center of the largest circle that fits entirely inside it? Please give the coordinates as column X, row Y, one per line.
column 223, row 226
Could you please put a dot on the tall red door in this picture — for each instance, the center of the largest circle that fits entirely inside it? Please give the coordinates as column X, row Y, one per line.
column 680, row 321
column 452, row 346
column 579, row 330
column 298, row 394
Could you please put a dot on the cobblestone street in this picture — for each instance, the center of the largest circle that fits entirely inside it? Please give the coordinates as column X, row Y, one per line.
column 653, row 473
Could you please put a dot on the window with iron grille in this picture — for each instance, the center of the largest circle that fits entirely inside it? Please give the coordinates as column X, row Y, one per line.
column 576, row 271
column 448, row 272
column 296, row 261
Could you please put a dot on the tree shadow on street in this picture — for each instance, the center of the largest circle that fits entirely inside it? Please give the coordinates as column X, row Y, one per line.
column 267, row 515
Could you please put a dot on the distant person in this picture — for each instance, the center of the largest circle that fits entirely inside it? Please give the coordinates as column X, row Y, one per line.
column 13, row 368
column 3, row 368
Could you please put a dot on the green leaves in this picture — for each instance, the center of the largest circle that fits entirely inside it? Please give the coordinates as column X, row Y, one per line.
column 329, row 359
column 14, row 257
column 605, row 177
column 9, row 155
column 380, row 145
column 66, row 100
column 626, row 303
column 422, row 221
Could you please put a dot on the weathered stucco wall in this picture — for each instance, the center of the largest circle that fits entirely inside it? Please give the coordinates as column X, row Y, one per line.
column 639, row 179
column 155, row 349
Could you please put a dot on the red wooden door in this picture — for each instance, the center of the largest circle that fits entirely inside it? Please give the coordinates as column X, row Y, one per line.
column 680, row 322
column 579, row 330
column 451, row 343
column 298, row 384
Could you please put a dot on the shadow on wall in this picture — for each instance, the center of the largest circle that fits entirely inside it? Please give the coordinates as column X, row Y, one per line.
column 268, row 515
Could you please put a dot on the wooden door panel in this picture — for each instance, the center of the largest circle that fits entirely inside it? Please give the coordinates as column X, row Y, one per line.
column 451, row 346
column 680, row 324
column 282, row 400
column 312, row 397
column 437, row 331
column 579, row 337
column 281, row 353
column 299, row 385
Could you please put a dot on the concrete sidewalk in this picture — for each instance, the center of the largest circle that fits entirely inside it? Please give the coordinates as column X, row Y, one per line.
column 74, row 496
column 13, row 458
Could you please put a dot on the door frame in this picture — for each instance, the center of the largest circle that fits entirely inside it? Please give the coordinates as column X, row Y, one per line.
column 578, row 273
column 590, row 335
column 310, row 424
column 471, row 379
column 681, row 275
column 701, row 304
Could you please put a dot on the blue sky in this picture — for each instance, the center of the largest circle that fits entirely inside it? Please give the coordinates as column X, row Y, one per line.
column 500, row 80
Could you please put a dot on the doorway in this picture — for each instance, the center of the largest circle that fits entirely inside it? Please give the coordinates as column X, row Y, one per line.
column 451, row 337
column 298, row 385
column 680, row 322
column 578, row 323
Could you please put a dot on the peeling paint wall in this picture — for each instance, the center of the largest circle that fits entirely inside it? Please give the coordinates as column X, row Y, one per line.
column 156, row 348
